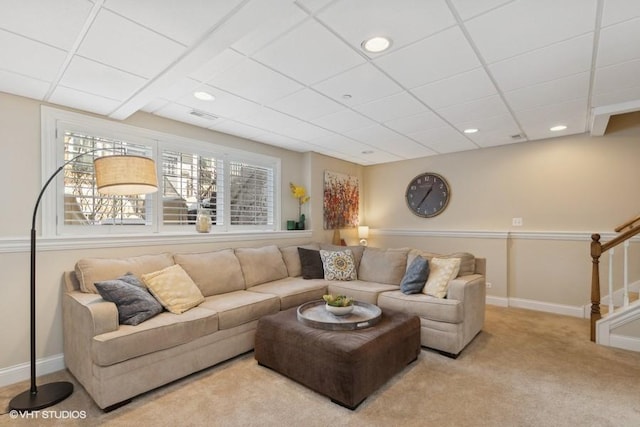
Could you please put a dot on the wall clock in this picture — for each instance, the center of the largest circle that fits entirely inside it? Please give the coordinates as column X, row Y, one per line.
column 428, row 195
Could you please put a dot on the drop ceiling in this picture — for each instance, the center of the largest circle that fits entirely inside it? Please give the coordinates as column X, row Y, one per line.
column 293, row 74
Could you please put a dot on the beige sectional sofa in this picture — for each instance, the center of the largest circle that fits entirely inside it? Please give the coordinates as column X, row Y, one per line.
column 115, row 362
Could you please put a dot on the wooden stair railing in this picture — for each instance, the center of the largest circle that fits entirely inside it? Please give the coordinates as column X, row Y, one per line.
column 597, row 249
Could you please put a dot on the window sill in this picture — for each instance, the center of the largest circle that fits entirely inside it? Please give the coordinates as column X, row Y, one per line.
column 60, row 243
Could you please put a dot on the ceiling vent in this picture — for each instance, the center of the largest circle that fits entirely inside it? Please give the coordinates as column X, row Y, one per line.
column 518, row 136
column 203, row 114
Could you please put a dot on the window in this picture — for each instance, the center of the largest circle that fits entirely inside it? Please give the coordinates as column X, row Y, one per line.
column 237, row 188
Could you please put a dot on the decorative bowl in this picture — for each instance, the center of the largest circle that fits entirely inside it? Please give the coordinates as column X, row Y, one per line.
column 339, row 311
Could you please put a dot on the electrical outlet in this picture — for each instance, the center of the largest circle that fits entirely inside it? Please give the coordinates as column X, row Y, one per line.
column 489, row 285
column 516, row 222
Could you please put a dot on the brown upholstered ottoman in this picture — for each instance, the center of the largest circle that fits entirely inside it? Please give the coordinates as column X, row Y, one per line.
column 346, row 366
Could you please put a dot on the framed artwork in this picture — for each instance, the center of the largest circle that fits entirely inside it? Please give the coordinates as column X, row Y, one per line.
column 341, row 201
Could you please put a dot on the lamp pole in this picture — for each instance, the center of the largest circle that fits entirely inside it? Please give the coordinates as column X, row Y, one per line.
column 48, row 394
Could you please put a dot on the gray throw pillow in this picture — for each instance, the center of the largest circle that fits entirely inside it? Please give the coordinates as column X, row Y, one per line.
column 134, row 302
column 415, row 277
column 311, row 264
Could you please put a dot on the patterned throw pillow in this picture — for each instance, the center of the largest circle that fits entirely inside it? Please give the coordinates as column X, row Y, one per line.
column 338, row 265
column 173, row 287
column 442, row 271
column 134, row 302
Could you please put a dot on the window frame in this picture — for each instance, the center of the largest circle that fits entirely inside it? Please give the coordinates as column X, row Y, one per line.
column 54, row 122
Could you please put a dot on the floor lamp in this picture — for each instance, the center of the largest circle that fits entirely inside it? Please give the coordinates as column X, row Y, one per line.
column 115, row 175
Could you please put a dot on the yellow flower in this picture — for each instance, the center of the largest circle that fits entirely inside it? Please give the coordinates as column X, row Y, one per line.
column 299, row 192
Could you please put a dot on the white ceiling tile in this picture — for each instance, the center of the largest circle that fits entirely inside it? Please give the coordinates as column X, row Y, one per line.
column 404, row 21
column 82, row 100
column 392, row 107
column 309, row 53
column 304, row 131
column 444, row 140
column 18, row 84
column 446, row 92
column 475, row 110
column 178, row 89
column 351, row 147
column 496, row 130
column 306, row 104
column 155, row 105
column 181, row 113
column 272, row 26
column 619, row 10
column 494, row 138
column 390, row 141
column 55, row 23
column 282, row 141
column 314, row 5
column 29, row 58
column 417, row 123
column 364, row 83
column 216, row 65
column 536, row 122
column 616, row 97
column 184, row 21
column 471, row 8
column 619, row 43
column 431, row 59
column 256, row 82
column 549, row 63
column 91, row 77
column 521, row 26
column 132, row 48
column 343, row 121
column 268, row 119
column 617, row 77
column 552, row 92
column 225, row 104
column 234, row 128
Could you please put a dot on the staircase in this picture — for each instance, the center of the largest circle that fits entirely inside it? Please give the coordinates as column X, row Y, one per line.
column 618, row 325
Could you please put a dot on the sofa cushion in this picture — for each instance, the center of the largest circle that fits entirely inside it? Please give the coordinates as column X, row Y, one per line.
column 413, row 253
column 442, row 271
column 416, row 276
column 467, row 262
column 91, row 270
column 311, row 264
column 163, row 331
column 357, row 251
column 291, row 258
column 425, row 306
column 383, row 265
column 134, row 302
column 261, row 265
column 240, row 307
column 338, row 265
column 293, row 291
column 360, row 290
column 213, row 272
column 173, row 287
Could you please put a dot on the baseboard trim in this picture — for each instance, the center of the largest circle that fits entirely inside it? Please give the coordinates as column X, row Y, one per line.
column 22, row 372
column 624, row 342
column 547, row 307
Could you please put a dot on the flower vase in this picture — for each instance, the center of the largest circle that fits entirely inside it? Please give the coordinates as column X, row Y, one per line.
column 300, row 223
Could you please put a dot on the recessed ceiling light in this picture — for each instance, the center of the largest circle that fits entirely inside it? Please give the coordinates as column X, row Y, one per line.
column 204, row 96
column 376, row 44
column 470, row 130
column 557, row 128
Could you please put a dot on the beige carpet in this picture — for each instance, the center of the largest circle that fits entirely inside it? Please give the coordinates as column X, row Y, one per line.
column 525, row 369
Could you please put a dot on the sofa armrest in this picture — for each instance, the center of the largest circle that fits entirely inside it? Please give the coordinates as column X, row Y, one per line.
column 90, row 313
column 467, row 287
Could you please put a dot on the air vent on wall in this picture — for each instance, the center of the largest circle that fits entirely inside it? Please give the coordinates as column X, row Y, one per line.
column 203, row 114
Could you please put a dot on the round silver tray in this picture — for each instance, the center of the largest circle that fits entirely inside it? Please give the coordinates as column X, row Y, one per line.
column 315, row 314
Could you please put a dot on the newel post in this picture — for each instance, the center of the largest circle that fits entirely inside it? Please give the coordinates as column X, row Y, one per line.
column 596, row 251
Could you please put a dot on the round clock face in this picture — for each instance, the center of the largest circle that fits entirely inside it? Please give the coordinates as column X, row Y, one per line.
column 427, row 195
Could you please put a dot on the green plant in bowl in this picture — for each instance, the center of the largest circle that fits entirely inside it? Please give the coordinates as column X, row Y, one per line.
column 338, row 300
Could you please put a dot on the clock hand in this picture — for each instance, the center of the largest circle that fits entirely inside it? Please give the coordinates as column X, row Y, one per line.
column 425, row 196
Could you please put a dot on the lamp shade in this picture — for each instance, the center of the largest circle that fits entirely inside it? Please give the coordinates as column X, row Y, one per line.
column 363, row 231
column 125, row 175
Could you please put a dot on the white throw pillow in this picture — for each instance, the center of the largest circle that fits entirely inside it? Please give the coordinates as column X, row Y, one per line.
column 441, row 271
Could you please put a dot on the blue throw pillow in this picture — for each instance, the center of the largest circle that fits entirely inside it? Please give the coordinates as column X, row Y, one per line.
column 134, row 302
column 415, row 277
